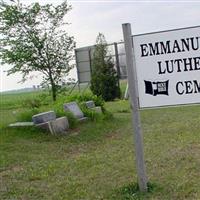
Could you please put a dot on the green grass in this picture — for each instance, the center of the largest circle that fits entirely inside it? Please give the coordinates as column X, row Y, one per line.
column 96, row 161
column 14, row 100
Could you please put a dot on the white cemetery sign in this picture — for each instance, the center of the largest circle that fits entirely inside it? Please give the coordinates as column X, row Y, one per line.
column 163, row 70
column 168, row 67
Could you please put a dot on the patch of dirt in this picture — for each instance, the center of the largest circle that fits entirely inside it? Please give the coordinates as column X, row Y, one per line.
column 75, row 132
column 112, row 135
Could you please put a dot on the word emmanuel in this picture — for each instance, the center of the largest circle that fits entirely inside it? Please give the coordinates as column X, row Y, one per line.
column 176, row 46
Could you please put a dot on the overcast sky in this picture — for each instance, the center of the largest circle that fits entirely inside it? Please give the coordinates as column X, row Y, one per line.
column 90, row 17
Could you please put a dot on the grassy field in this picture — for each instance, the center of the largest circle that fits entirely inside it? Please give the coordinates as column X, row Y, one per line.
column 95, row 161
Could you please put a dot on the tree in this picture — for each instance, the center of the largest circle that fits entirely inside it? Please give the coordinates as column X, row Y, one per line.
column 104, row 80
column 33, row 38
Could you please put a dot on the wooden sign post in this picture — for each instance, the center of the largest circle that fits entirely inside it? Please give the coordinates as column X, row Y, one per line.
column 133, row 92
column 163, row 70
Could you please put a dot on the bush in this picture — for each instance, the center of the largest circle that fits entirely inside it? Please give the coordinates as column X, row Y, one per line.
column 31, row 103
column 86, row 97
column 37, row 102
column 107, row 115
column 81, row 99
column 104, row 80
column 71, row 118
column 91, row 114
column 44, row 98
column 26, row 116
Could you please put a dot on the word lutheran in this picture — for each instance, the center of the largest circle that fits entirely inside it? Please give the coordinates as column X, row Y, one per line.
column 179, row 65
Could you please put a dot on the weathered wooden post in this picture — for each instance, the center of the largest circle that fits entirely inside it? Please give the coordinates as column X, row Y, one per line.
column 117, row 63
column 133, row 92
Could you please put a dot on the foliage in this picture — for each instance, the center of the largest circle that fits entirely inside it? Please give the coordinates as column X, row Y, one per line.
column 44, row 99
column 87, row 96
column 40, row 166
column 81, row 99
column 26, row 115
column 31, row 103
column 71, row 118
column 15, row 100
column 107, row 115
column 91, row 114
column 33, row 39
column 104, row 80
column 36, row 102
column 132, row 192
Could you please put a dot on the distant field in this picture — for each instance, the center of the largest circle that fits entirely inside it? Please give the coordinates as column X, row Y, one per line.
column 96, row 160
column 10, row 101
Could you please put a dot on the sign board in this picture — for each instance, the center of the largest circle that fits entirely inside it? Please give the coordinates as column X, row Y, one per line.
column 168, row 67
column 84, row 57
column 83, row 64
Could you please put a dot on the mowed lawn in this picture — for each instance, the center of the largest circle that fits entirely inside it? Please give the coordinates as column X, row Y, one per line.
column 96, row 161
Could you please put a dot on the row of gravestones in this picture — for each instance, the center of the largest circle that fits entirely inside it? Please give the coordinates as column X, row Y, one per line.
column 49, row 122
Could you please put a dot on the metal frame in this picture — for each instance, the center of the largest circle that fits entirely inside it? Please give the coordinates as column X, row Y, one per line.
column 88, row 49
column 154, row 32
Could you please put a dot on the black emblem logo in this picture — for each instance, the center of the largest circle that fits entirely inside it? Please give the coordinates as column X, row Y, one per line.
column 156, row 88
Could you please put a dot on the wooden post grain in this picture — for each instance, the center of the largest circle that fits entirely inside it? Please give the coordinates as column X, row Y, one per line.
column 133, row 92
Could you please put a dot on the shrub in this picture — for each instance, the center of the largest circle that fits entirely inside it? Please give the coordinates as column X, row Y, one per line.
column 98, row 100
column 91, row 114
column 37, row 102
column 44, row 98
column 26, row 115
column 104, row 80
column 31, row 103
column 71, row 118
column 81, row 99
column 107, row 115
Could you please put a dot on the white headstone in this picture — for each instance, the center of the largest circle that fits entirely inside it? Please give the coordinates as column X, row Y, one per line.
column 74, row 109
column 55, row 127
column 90, row 104
column 44, row 117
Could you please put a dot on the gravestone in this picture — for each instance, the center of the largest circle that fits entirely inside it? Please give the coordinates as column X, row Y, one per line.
column 48, row 122
column 44, row 117
column 55, row 127
column 74, row 109
column 90, row 104
column 60, row 125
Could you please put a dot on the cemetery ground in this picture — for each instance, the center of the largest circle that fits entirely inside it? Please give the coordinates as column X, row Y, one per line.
column 96, row 159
